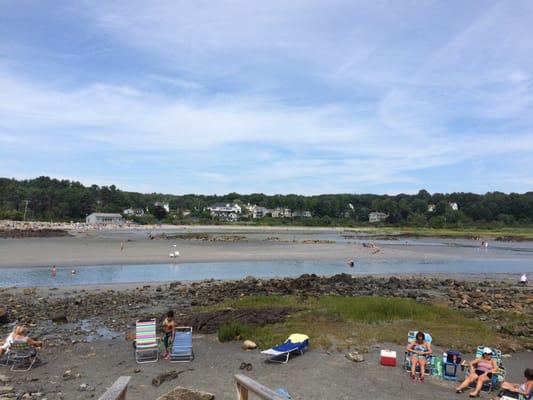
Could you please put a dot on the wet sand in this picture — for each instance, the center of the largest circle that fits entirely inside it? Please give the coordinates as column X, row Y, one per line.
column 104, row 248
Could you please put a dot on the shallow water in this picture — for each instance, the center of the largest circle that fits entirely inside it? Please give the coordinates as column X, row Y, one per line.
column 140, row 273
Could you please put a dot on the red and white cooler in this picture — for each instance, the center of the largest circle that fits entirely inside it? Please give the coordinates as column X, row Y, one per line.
column 388, row 358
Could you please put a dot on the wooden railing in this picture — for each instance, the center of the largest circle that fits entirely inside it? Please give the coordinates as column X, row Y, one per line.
column 246, row 385
column 118, row 390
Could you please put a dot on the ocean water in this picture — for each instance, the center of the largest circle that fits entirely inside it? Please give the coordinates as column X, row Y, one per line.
column 145, row 273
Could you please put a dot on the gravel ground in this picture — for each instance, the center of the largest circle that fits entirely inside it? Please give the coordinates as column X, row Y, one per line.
column 316, row 375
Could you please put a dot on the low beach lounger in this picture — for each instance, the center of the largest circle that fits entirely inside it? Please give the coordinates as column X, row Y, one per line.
column 296, row 343
column 182, row 345
column 146, row 342
column 21, row 354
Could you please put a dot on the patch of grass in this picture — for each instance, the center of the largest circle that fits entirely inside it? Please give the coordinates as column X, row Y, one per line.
column 358, row 322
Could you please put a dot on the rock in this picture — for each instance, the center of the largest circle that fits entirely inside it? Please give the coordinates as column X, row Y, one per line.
column 59, row 316
column 355, row 356
column 84, row 387
column 180, row 393
column 6, row 389
column 249, row 345
column 67, row 375
column 4, row 317
column 485, row 308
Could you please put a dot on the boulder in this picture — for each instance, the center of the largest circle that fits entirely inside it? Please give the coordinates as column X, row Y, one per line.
column 59, row 316
column 181, row 393
column 3, row 315
column 355, row 356
column 249, row 345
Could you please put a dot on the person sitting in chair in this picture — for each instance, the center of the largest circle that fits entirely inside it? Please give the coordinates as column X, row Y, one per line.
column 419, row 350
column 525, row 389
column 20, row 334
column 481, row 370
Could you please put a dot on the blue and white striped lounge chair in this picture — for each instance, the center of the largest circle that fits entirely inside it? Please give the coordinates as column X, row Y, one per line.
column 296, row 343
column 182, row 345
column 146, row 343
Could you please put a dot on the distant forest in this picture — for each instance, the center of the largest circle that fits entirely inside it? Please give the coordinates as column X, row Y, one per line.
column 49, row 199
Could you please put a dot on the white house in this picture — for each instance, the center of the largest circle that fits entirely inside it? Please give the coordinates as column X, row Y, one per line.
column 301, row 214
column 431, row 207
column 104, row 219
column 281, row 213
column 257, row 211
column 377, row 217
column 454, row 206
column 225, row 211
column 130, row 212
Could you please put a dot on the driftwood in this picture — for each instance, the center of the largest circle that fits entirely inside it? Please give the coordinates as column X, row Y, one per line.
column 168, row 376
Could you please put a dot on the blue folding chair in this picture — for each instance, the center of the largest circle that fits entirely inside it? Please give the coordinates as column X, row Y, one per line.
column 182, row 345
column 411, row 337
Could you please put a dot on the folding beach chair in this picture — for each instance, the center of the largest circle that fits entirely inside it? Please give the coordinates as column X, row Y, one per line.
column 21, row 354
column 497, row 378
column 411, row 337
column 182, row 345
column 146, row 342
column 296, row 343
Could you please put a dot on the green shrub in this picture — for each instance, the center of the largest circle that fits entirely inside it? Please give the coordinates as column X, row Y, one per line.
column 234, row 330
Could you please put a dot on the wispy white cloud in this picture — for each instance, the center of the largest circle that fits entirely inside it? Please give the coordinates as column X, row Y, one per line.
column 301, row 96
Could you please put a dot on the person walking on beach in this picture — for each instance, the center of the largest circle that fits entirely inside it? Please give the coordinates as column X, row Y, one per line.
column 121, row 247
column 53, row 272
column 169, row 328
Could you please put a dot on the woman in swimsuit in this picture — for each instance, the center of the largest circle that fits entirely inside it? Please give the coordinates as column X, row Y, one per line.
column 419, row 351
column 525, row 389
column 481, row 370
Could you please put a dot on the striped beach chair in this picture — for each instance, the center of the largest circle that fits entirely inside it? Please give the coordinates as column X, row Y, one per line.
column 146, row 342
column 22, row 355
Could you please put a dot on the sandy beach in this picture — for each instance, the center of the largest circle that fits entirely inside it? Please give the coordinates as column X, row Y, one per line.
column 102, row 247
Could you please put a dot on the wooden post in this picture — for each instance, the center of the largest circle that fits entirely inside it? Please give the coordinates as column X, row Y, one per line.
column 246, row 385
column 118, row 390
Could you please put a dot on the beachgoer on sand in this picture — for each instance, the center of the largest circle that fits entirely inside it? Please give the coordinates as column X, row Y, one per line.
column 525, row 389
column 121, row 247
column 351, row 263
column 169, row 328
column 53, row 272
column 523, row 279
column 481, row 370
column 419, row 351
column 20, row 334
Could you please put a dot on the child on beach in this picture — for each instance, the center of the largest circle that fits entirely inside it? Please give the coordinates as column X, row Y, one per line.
column 169, row 327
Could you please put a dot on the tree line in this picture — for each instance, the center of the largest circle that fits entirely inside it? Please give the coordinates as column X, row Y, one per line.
column 48, row 199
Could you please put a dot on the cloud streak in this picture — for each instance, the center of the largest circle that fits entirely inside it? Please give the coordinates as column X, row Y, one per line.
column 307, row 97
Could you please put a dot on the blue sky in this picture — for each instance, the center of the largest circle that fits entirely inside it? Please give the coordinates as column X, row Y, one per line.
column 277, row 97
